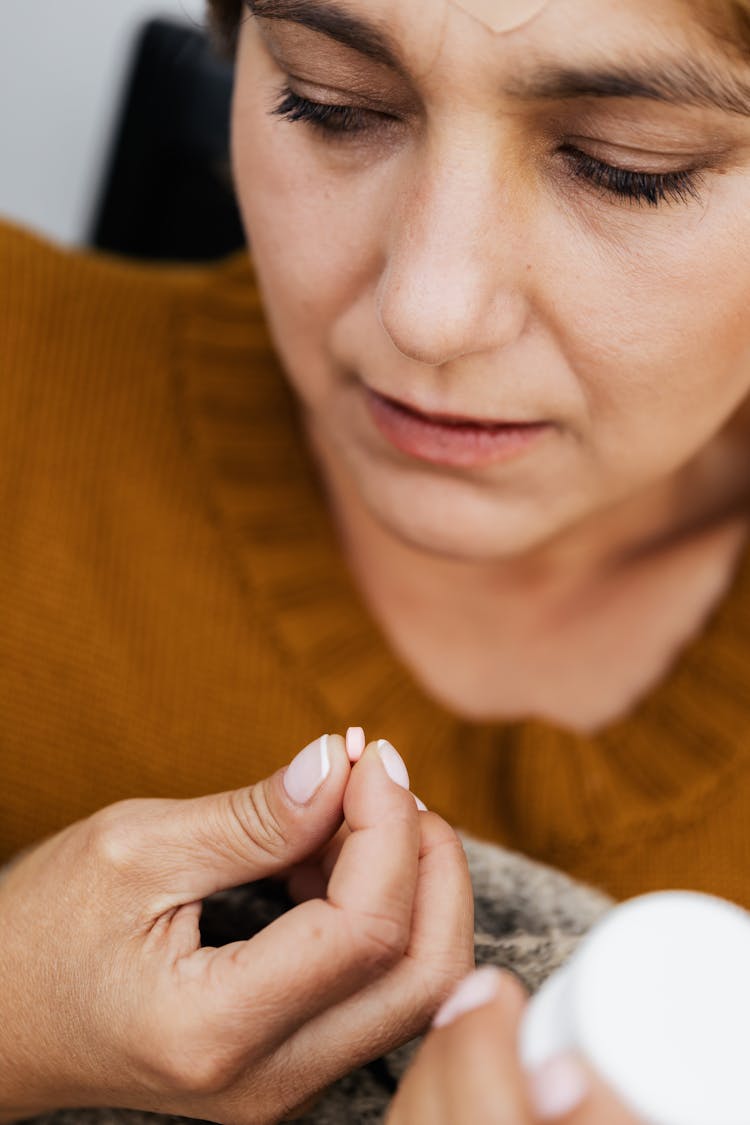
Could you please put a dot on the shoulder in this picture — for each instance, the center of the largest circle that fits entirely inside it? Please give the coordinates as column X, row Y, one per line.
column 74, row 287
column 77, row 322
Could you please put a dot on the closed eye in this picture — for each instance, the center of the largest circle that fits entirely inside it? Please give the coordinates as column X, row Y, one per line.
column 625, row 184
column 328, row 119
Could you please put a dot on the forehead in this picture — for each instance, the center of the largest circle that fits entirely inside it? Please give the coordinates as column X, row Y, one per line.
column 408, row 28
column 543, row 25
column 502, row 17
column 671, row 51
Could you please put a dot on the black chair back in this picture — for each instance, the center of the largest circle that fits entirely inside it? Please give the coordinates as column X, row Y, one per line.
column 167, row 192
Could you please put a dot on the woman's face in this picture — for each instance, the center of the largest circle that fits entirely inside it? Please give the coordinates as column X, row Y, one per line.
column 549, row 225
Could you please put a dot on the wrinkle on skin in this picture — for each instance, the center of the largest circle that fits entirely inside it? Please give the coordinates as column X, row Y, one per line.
column 502, row 16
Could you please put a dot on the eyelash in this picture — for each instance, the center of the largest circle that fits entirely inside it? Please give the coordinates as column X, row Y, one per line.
column 651, row 188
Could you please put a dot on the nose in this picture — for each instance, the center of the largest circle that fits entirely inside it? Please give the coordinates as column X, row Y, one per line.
column 452, row 281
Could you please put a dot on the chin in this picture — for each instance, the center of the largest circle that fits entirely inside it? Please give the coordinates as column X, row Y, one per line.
column 456, row 527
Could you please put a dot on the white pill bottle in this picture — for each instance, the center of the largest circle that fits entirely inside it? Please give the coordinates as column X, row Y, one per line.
column 657, row 1000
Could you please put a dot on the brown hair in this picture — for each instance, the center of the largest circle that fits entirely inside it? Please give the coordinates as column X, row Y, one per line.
column 224, row 20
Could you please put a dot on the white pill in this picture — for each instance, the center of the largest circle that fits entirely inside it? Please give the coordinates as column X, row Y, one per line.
column 355, row 743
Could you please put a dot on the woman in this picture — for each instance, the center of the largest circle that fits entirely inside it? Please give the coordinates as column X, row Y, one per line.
column 504, row 266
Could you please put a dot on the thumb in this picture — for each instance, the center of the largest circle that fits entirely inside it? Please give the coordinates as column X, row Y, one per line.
column 191, row 849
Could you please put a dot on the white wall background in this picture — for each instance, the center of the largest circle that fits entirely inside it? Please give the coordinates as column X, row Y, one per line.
column 63, row 65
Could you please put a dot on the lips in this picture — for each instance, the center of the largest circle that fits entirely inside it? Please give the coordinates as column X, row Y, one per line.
column 449, row 419
column 450, row 439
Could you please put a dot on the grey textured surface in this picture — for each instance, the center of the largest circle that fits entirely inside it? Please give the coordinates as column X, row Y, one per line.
column 529, row 919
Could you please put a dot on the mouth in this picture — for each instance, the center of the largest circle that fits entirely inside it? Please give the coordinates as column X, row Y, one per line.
column 450, row 439
column 455, row 420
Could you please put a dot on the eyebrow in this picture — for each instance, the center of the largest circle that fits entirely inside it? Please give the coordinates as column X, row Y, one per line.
column 680, row 82
column 674, row 82
column 337, row 23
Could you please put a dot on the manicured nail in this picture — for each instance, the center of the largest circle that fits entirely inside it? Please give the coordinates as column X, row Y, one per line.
column 307, row 772
column 355, row 743
column 474, row 991
column 394, row 764
column 420, row 804
column 558, row 1087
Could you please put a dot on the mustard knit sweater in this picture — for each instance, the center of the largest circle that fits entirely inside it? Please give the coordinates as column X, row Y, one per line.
column 176, row 617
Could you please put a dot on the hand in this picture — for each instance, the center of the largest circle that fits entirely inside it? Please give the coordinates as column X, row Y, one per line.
column 107, row 998
column 467, row 1071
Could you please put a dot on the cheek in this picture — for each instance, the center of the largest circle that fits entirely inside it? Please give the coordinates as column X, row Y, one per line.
column 651, row 309
column 313, row 231
column 288, row 218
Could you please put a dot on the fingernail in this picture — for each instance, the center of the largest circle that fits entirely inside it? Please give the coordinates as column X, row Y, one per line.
column 355, row 743
column 394, row 764
column 474, row 991
column 307, row 772
column 558, row 1087
column 420, row 804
